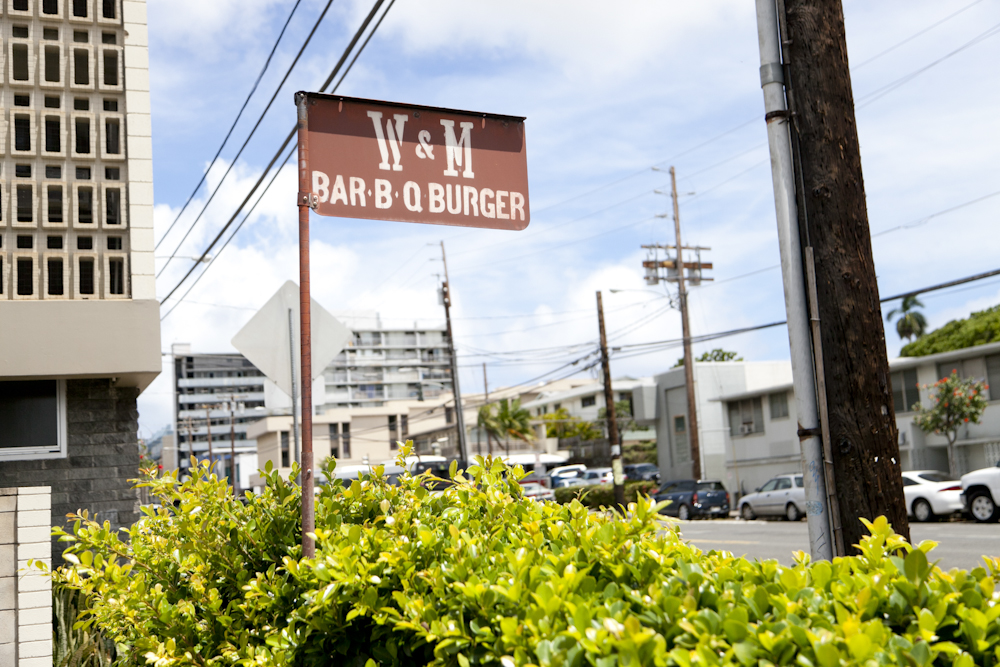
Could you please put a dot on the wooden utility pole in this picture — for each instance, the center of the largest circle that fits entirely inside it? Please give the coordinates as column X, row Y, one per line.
column 463, row 450
column 692, row 426
column 609, row 408
column 856, row 400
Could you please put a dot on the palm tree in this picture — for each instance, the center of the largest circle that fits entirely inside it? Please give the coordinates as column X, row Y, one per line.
column 488, row 423
column 911, row 323
column 514, row 422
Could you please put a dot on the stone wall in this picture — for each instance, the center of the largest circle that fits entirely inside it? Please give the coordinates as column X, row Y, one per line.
column 102, row 456
column 25, row 595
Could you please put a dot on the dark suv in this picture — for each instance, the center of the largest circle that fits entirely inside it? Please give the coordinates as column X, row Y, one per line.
column 689, row 498
column 646, row 472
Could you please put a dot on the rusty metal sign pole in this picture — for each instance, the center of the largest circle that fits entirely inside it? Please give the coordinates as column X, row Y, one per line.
column 306, row 201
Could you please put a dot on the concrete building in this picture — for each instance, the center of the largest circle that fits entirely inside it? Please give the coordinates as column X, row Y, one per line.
column 79, row 320
column 381, row 366
column 748, row 423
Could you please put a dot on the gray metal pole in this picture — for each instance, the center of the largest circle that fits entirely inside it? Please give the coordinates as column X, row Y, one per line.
column 793, row 277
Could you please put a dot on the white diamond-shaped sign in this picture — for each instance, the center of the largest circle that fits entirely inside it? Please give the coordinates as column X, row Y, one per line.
column 264, row 340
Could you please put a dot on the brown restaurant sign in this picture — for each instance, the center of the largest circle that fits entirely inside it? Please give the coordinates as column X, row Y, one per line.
column 386, row 161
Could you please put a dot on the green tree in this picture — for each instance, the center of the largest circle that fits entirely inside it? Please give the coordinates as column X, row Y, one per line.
column 486, row 420
column 956, row 402
column 560, row 424
column 514, row 421
column 623, row 414
column 718, row 354
column 911, row 322
column 978, row 329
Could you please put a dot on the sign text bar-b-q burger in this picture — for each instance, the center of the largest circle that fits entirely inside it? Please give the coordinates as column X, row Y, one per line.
column 386, row 161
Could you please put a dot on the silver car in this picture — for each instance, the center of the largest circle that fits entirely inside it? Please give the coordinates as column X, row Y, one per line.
column 784, row 496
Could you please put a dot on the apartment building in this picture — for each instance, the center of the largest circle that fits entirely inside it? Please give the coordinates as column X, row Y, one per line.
column 79, row 320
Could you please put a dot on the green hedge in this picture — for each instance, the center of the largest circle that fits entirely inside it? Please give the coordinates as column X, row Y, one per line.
column 477, row 575
column 603, row 495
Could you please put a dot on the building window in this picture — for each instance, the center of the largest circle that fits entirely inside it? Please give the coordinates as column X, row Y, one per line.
column 25, row 277
column 80, row 8
column 25, row 204
column 85, row 206
column 335, row 441
column 111, row 69
column 393, row 432
column 746, row 417
column 56, row 286
column 905, row 392
column 83, row 136
column 286, row 450
column 779, row 405
column 116, row 275
column 113, row 208
column 404, row 425
column 50, row 6
column 588, row 401
column 53, row 134
column 81, row 67
column 945, row 369
column 55, row 197
column 86, row 276
column 993, row 375
column 112, row 136
column 22, row 133
column 19, row 69
column 52, row 64
column 346, row 439
column 109, row 9
column 33, row 414
column 449, row 414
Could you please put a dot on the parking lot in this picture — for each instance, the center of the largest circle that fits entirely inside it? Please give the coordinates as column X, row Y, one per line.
column 960, row 544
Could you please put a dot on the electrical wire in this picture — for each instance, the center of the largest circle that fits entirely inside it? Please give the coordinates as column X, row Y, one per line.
column 246, row 141
column 239, row 115
column 288, row 139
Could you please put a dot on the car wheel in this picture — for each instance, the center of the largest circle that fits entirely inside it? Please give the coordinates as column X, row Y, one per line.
column 922, row 510
column 683, row 513
column 747, row 512
column 983, row 509
column 792, row 512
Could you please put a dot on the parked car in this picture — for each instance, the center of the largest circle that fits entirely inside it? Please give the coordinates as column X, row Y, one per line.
column 981, row 492
column 596, row 476
column 563, row 482
column 931, row 493
column 784, row 495
column 690, row 498
column 536, row 491
column 641, row 472
column 564, row 472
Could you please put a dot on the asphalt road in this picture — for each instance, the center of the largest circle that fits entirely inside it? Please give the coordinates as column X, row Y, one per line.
column 959, row 544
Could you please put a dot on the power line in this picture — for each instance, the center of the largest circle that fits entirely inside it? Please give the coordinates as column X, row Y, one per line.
column 260, row 119
column 233, row 126
column 288, row 139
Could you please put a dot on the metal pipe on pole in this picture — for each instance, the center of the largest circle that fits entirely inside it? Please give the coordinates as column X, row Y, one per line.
column 821, row 540
column 692, row 429
column 463, row 450
column 614, row 439
column 306, row 200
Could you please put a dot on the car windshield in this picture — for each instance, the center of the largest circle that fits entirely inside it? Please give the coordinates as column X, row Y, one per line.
column 936, row 477
column 770, row 485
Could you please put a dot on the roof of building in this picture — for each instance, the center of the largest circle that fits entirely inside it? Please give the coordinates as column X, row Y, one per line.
column 591, row 386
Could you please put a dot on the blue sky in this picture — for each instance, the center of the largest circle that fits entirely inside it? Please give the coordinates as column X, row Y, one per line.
column 609, row 91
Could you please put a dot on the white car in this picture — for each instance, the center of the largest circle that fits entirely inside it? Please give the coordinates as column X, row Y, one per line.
column 536, row 491
column 981, row 492
column 597, row 476
column 931, row 493
column 782, row 496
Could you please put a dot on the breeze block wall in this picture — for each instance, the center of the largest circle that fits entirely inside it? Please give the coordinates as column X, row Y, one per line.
column 102, row 456
column 25, row 594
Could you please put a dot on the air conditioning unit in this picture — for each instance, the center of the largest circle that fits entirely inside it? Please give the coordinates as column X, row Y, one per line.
column 746, row 429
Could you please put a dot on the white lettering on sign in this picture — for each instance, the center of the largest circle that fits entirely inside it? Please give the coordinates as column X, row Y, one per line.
column 383, row 193
column 395, row 139
column 457, row 199
column 357, row 189
column 411, row 197
column 452, row 146
column 425, row 150
column 486, row 206
column 436, row 195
